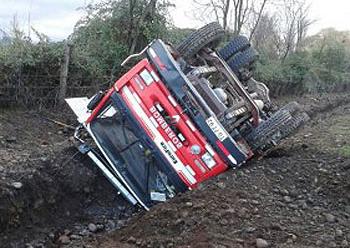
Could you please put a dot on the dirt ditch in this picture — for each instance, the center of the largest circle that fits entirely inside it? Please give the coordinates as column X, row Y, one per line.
column 298, row 196
column 47, row 187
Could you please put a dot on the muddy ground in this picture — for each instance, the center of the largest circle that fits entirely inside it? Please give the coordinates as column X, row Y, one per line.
column 298, row 196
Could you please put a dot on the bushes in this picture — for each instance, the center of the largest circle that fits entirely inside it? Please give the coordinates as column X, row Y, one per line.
column 26, row 65
column 110, row 31
column 321, row 66
column 114, row 29
column 284, row 77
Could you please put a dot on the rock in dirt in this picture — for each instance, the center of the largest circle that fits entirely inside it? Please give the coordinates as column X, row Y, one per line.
column 332, row 244
column 261, row 243
column 284, row 192
column 75, row 237
column 64, row 240
column 11, row 139
column 338, row 233
column 329, row 218
column 17, row 185
column 131, row 240
column 221, row 185
column 84, row 233
column 319, row 242
column 344, row 243
column 347, row 209
column 293, row 237
column 39, row 245
column 92, row 228
column 110, row 225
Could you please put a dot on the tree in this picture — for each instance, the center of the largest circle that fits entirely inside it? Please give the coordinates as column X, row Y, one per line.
column 148, row 13
column 293, row 23
column 112, row 30
column 240, row 15
column 257, row 17
column 303, row 23
column 266, row 38
column 218, row 9
column 234, row 15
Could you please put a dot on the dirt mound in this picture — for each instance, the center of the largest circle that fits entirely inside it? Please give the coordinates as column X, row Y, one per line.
column 316, row 104
column 297, row 201
column 297, row 197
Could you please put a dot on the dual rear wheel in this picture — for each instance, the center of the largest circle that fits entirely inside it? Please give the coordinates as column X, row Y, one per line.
column 238, row 53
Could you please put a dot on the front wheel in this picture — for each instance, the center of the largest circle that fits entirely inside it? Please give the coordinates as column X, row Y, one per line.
column 208, row 36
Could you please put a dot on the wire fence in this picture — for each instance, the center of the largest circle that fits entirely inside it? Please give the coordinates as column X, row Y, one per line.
column 40, row 96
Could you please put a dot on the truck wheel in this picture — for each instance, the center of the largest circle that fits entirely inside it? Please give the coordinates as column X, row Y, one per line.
column 264, row 133
column 299, row 118
column 279, row 126
column 292, row 125
column 208, row 36
column 243, row 59
column 237, row 44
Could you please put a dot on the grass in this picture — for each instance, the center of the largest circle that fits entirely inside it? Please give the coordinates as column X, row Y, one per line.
column 345, row 151
column 340, row 131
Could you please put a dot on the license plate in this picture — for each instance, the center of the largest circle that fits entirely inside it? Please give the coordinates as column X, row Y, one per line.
column 217, row 129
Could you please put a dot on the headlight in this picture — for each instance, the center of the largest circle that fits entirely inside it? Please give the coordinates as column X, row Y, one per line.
column 195, row 150
column 208, row 160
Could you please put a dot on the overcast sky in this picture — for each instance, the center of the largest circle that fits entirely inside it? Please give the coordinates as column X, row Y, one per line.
column 56, row 18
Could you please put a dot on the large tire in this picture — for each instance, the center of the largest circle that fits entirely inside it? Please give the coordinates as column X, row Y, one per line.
column 279, row 126
column 208, row 36
column 243, row 59
column 236, row 45
column 261, row 135
column 292, row 125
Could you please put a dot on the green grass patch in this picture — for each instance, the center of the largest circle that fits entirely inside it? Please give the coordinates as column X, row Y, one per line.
column 345, row 151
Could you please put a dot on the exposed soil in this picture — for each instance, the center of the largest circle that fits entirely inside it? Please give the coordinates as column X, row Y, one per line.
column 46, row 186
column 298, row 196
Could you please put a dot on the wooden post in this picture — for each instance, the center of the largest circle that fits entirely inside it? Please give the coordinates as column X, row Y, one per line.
column 64, row 73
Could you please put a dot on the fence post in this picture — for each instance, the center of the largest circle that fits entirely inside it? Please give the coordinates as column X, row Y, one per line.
column 64, row 73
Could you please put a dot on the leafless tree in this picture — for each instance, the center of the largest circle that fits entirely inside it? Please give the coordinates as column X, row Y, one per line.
column 266, row 36
column 218, row 9
column 257, row 17
column 277, row 27
column 294, row 23
column 232, row 14
column 303, row 24
column 240, row 15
